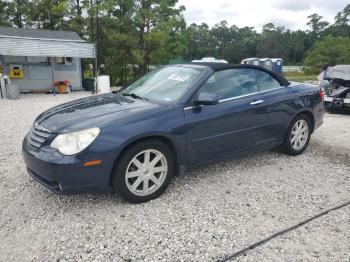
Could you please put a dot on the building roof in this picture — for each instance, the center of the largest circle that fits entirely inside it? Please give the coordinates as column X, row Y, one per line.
column 39, row 34
column 222, row 66
column 34, row 42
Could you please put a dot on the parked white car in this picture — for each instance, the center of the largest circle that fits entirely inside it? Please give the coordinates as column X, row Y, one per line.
column 210, row 60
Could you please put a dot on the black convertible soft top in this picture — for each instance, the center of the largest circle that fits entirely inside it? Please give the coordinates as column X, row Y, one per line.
column 223, row 66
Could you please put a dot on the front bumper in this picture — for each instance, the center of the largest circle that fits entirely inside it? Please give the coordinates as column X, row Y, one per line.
column 66, row 175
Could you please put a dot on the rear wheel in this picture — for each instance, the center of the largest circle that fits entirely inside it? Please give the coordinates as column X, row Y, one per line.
column 298, row 136
column 144, row 171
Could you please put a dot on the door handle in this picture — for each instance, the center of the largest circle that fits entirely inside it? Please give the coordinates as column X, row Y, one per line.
column 257, row 102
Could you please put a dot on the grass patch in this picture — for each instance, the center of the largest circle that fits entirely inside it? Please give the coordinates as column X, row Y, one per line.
column 299, row 76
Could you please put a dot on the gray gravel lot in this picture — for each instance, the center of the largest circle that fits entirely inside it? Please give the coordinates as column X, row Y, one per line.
column 211, row 212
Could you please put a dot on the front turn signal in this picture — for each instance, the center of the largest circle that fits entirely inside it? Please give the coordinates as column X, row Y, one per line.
column 93, row 163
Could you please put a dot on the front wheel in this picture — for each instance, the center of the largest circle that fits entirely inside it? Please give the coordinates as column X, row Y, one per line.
column 144, row 171
column 298, row 136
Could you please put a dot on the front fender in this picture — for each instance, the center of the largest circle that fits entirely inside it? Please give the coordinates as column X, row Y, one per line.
column 168, row 125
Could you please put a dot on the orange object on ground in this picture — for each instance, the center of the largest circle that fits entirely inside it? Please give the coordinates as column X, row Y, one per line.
column 62, row 86
column 62, row 89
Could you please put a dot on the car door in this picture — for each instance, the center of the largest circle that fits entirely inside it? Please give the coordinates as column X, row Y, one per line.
column 275, row 104
column 232, row 126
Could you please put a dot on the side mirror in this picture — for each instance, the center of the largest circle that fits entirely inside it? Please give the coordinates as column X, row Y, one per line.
column 117, row 91
column 206, row 99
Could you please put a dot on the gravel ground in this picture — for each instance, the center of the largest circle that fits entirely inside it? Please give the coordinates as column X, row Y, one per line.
column 211, row 212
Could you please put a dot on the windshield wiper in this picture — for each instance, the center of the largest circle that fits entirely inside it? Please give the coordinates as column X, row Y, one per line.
column 135, row 96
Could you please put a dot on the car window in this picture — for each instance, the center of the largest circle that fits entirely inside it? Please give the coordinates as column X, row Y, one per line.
column 165, row 84
column 231, row 83
column 265, row 81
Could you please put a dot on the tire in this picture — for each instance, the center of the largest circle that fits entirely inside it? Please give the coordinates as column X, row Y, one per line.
column 138, row 180
column 296, row 140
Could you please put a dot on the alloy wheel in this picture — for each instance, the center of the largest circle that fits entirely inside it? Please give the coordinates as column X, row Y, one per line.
column 146, row 172
column 299, row 134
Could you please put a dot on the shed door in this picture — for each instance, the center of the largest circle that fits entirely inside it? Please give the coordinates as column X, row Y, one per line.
column 41, row 77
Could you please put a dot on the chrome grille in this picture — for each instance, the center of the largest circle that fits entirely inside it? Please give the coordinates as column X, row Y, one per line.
column 38, row 135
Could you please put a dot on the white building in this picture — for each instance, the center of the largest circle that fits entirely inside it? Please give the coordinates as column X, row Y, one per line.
column 35, row 59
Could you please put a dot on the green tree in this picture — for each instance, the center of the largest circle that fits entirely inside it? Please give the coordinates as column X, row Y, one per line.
column 149, row 17
column 342, row 18
column 269, row 27
column 271, row 42
column 341, row 26
column 222, row 36
column 119, row 39
column 296, row 43
column 4, row 19
column 316, row 24
column 76, row 20
column 17, row 12
column 95, row 10
column 200, row 42
column 329, row 51
column 48, row 14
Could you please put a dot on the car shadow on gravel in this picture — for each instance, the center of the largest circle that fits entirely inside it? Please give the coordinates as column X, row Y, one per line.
column 91, row 200
column 266, row 157
column 335, row 154
column 205, row 171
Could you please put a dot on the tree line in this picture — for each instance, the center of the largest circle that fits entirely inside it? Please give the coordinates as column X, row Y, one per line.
column 133, row 35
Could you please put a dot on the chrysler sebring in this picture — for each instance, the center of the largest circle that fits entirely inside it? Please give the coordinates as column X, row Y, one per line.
column 133, row 142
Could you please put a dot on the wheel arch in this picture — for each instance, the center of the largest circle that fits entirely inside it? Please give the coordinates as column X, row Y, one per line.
column 310, row 115
column 166, row 140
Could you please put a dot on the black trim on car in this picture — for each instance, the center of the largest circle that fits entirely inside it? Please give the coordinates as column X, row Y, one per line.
column 222, row 66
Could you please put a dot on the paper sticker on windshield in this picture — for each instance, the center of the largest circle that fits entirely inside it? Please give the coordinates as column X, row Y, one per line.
column 178, row 77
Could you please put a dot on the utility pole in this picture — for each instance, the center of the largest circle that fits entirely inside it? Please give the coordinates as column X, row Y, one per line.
column 97, row 32
column 97, row 43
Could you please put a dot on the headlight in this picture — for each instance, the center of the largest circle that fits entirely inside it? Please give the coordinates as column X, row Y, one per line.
column 75, row 142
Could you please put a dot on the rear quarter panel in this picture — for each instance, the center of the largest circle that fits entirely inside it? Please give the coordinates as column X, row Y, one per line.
column 284, row 104
column 307, row 98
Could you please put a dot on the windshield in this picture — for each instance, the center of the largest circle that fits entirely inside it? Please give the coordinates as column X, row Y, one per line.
column 166, row 84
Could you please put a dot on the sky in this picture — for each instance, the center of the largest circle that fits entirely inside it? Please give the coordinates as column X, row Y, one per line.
column 289, row 13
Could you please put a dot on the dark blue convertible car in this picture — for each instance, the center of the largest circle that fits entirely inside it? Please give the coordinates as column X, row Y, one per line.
column 133, row 142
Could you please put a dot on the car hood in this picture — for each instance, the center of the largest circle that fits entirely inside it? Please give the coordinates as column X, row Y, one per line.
column 338, row 72
column 94, row 111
